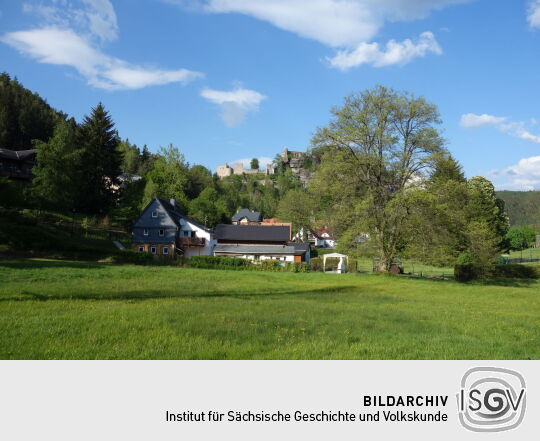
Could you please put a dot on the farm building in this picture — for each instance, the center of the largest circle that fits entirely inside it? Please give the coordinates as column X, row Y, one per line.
column 259, row 242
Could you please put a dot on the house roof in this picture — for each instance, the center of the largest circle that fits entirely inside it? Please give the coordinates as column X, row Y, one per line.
column 289, row 249
column 299, row 247
column 253, row 233
column 18, row 155
column 251, row 216
column 175, row 214
column 328, row 231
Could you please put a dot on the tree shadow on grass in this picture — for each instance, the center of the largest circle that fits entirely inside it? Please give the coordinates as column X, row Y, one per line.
column 40, row 264
column 173, row 294
column 513, row 283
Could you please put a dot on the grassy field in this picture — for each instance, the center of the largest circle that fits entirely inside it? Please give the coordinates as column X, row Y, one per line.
column 528, row 255
column 65, row 309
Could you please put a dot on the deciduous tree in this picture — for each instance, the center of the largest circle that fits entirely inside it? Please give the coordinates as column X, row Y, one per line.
column 390, row 138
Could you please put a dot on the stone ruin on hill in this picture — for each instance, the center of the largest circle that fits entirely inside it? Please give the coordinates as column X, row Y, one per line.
column 293, row 160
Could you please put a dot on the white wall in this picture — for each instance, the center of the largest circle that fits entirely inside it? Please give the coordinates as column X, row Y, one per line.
column 209, row 241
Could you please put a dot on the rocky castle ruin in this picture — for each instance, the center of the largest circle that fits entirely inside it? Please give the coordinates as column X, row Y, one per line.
column 288, row 158
column 238, row 169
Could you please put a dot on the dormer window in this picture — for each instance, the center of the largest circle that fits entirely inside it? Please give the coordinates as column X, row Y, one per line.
column 145, row 231
column 162, row 232
column 154, row 213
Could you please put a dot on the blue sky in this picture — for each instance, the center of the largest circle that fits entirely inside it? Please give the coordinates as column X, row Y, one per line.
column 231, row 79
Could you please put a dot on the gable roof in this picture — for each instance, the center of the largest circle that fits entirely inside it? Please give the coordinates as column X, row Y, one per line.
column 299, row 247
column 251, row 216
column 253, row 233
column 175, row 214
column 18, row 155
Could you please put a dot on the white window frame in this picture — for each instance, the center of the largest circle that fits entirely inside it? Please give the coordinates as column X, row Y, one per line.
column 141, row 249
column 153, row 250
column 165, row 251
column 154, row 213
column 146, row 232
column 161, row 232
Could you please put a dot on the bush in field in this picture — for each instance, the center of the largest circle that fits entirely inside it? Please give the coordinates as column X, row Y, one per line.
column 130, row 256
column 468, row 272
column 234, row 263
column 298, row 267
column 516, row 271
column 218, row 262
column 352, row 266
column 316, row 264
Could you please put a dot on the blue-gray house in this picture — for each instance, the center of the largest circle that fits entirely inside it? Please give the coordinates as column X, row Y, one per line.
column 163, row 230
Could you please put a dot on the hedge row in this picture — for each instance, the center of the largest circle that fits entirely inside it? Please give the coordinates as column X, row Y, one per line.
column 468, row 272
column 130, row 256
column 234, row 263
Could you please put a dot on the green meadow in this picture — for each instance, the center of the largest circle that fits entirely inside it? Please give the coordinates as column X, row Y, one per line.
column 55, row 309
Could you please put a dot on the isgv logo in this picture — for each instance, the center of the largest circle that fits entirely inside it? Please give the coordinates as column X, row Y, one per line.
column 491, row 399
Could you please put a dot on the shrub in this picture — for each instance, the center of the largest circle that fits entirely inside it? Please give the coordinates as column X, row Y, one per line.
column 468, row 272
column 298, row 267
column 465, row 272
column 464, row 259
column 130, row 256
column 234, row 263
column 352, row 267
column 516, row 271
column 316, row 264
column 218, row 262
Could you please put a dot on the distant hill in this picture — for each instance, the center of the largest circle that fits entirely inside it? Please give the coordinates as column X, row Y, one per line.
column 523, row 207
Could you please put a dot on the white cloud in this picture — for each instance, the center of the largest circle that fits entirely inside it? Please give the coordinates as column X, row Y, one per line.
column 94, row 18
column 336, row 23
column 515, row 129
column 348, row 25
column 102, row 19
column 525, row 175
column 533, row 14
column 53, row 45
column 394, row 53
column 246, row 162
column 473, row 121
column 518, row 130
column 235, row 104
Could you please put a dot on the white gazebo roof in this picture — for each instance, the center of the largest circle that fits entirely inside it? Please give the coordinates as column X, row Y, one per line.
column 334, row 255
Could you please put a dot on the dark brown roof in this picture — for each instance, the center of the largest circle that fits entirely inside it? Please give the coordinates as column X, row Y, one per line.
column 253, row 233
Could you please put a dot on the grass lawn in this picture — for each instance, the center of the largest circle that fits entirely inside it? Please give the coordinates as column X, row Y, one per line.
column 65, row 309
column 530, row 254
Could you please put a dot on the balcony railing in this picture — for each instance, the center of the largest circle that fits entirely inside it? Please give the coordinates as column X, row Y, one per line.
column 190, row 242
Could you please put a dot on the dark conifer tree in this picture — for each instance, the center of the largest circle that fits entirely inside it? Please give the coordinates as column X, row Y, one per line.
column 101, row 161
column 447, row 169
column 24, row 116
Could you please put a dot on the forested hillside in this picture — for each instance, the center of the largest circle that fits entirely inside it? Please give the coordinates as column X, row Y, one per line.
column 24, row 116
column 523, row 207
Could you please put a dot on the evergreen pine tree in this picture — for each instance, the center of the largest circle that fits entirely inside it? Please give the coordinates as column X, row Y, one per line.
column 101, row 161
